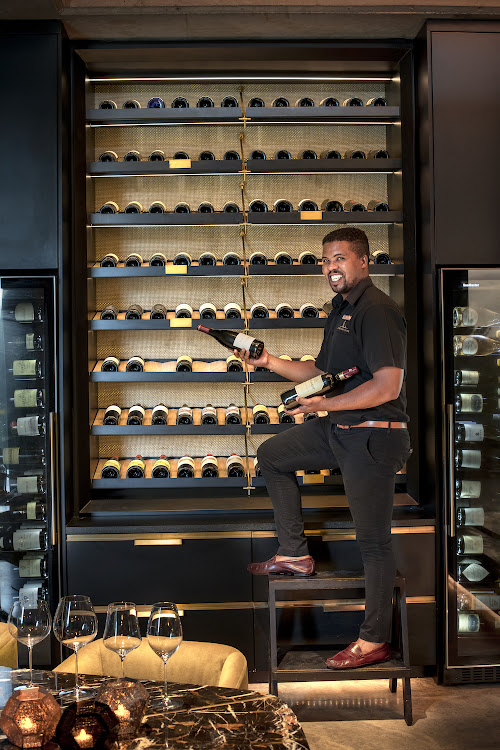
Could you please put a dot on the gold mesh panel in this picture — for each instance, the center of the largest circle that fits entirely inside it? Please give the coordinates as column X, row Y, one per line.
column 171, row 445
column 170, row 394
column 170, row 291
column 269, row 138
column 268, row 91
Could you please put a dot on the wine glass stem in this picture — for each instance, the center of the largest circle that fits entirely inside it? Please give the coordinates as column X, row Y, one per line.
column 165, row 676
column 30, row 652
column 123, row 666
column 77, row 685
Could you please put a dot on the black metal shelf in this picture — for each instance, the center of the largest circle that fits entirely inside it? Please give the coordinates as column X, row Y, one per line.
column 256, row 218
column 303, row 269
column 201, row 115
column 254, row 166
column 189, row 323
column 202, row 429
column 185, row 377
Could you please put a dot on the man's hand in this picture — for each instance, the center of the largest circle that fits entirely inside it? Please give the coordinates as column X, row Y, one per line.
column 262, row 361
column 308, row 405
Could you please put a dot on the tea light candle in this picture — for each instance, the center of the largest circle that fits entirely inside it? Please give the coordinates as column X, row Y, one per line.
column 83, row 738
column 30, row 717
column 127, row 699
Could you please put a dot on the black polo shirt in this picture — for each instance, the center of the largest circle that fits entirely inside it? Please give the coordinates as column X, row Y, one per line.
column 366, row 329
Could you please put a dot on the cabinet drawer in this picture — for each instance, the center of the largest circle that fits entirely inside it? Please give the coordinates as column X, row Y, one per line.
column 195, row 570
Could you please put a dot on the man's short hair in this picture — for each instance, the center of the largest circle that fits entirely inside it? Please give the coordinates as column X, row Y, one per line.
column 356, row 238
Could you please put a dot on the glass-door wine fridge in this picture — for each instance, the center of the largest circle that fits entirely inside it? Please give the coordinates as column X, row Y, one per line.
column 470, row 309
column 28, row 486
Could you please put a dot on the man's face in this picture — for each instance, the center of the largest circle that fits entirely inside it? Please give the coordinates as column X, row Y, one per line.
column 342, row 268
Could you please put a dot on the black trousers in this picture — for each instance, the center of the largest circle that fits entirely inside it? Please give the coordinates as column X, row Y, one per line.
column 368, row 459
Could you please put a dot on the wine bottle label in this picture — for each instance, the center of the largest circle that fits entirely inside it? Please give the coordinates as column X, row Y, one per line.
column 474, row 432
column 27, row 485
column 474, row 572
column 185, row 411
column 471, row 459
column 11, row 455
column 468, row 623
column 24, row 368
column 25, row 397
column 137, row 408
column 211, row 460
column 473, row 516
column 308, row 358
column 486, row 601
column 161, row 462
column 471, row 402
column 233, row 363
column 183, row 310
column 30, row 567
column 26, row 539
column 260, row 407
column 232, row 410
column 233, row 461
column 159, row 408
column 27, row 426
column 309, row 387
column 470, row 488
column 31, row 509
column 30, row 341
column 209, row 411
column 472, row 545
column 242, row 341
column 111, row 464
column 470, row 346
column 24, row 312
column 137, row 462
column 112, row 407
column 185, row 461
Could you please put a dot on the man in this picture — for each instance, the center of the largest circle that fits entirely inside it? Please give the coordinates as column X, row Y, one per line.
column 364, row 435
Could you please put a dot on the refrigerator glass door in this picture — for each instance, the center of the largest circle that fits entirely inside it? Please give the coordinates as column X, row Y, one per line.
column 471, row 351
column 27, row 406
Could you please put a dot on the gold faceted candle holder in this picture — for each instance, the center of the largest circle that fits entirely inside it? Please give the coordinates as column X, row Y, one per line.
column 30, row 717
column 87, row 724
column 127, row 699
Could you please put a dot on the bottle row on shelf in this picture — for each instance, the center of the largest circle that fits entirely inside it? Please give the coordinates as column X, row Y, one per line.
column 207, row 311
column 469, row 403
column 475, row 377
column 24, row 484
column 488, row 620
column 34, row 510
column 24, row 312
column 160, row 414
column 471, row 317
column 23, row 539
column 308, row 153
column 255, row 206
column 180, row 102
column 476, row 345
column 306, row 257
column 184, row 363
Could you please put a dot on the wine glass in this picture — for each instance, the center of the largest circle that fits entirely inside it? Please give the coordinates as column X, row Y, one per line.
column 121, row 632
column 29, row 622
column 165, row 636
column 75, row 625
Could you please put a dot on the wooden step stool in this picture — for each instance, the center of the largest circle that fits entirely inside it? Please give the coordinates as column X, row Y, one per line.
column 306, row 664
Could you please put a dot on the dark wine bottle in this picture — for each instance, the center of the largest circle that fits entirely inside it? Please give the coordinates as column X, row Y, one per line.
column 156, row 103
column 333, row 206
column 354, row 101
column 308, row 310
column 184, row 363
column 231, row 208
column 281, row 102
column 205, row 101
column 131, row 104
column 231, row 156
column 182, row 259
column 256, row 102
column 110, row 364
column 181, row 155
column 157, row 155
column 134, row 207
column 182, row 208
column 308, row 205
column 135, row 364
column 258, row 259
column 161, row 468
column 261, row 414
column 257, row 154
column 109, row 261
column 185, row 468
column 476, row 403
column 28, row 426
column 209, row 466
column 26, row 369
column 22, row 540
column 316, row 386
column 158, row 312
column 378, row 153
column 234, row 466
column 283, row 258
column 28, row 397
column 206, row 208
column 136, row 468
column 354, row 206
column 184, row 415
column 232, row 415
column 208, row 311
column 376, row 205
column 283, row 310
column 331, row 154
column 183, row 311
column 133, row 260
column 285, row 418
column 110, row 207
column 134, row 312
column 110, row 312
column 355, row 153
column 307, row 417
column 180, row 103
column 308, row 258
column 308, row 153
column 229, row 101
column 108, row 156
column 231, row 259
column 330, row 101
column 233, row 340
column 157, row 207
column 233, row 364
column 257, row 206
column 207, row 259
column 111, row 469
column 377, row 101
column 232, row 310
column 283, row 154
column 132, row 156
column 107, row 104
column 259, row 311
column 206, row 156
column 135, row 415
column 159, row 415
column 112, row 415
column 209, row 414
column 306, row 101
column 33, row 566
column 381, row 256
column 282, row 206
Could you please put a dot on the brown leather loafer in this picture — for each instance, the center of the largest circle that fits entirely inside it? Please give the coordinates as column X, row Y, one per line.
column 352, row 657
column 305, row 567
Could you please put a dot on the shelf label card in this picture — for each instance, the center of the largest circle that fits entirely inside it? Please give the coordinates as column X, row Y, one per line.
column 313, row 479
column 311, row 215
column 179, row 163
column 175, row 270
column 181, row 323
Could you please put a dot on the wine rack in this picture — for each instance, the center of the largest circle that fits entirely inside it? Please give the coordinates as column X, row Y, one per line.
column 243, row 130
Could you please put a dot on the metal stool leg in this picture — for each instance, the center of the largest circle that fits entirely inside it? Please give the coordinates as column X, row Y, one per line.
column 393, row 684
column 408, row 712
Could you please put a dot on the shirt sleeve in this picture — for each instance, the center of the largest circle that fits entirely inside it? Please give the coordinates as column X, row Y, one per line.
column 383, row 337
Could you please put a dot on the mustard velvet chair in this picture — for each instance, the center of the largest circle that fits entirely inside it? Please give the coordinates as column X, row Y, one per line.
column 194, row 663
column 8, row 647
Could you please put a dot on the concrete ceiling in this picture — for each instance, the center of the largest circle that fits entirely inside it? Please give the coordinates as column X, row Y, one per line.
column 246, row 19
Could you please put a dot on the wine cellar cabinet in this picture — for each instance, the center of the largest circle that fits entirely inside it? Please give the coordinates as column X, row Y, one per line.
column 202, row 191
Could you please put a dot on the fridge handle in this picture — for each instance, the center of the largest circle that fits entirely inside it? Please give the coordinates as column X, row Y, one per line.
column 53, row 477
column 451, row 469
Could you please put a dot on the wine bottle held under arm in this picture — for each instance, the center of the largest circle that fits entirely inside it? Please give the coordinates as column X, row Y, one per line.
column 316, row 386
column 233, row 340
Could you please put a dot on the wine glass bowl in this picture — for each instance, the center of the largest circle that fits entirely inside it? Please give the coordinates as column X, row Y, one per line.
column 75, row 625
column 164, row 633
column 29, row 623
column 121, row 632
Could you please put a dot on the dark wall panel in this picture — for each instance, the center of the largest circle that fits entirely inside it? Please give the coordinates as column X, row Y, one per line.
column 466, row 122
column 29, row 134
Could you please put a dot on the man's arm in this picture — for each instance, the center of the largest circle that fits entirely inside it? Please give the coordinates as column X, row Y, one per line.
column 384, row 386
column 296, row 371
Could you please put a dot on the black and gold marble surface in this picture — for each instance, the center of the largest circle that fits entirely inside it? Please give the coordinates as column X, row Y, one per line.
column 209, row 717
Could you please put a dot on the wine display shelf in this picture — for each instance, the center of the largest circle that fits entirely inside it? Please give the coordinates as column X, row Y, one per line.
column 285, row 115
column 219, row 482
column 271, row 269
column 185, row 377
column 268, row 217
column 255, row 166
column 191, row 323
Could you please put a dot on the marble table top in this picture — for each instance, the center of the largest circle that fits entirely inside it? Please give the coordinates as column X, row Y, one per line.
column 209, row 717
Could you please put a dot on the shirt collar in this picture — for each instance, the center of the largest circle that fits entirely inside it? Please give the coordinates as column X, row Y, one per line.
column 354, row 294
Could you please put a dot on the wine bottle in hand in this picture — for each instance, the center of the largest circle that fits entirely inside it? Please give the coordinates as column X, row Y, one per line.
column 316, row 386
column 235, row 340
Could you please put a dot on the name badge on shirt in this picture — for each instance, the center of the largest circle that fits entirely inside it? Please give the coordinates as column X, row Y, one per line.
column 344, row 327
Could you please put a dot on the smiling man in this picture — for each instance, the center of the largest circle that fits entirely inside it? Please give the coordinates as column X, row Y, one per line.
column 364, row 435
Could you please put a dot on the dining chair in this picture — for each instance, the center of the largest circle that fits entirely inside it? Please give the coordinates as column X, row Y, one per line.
column 8, row 647
column 194, row 663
